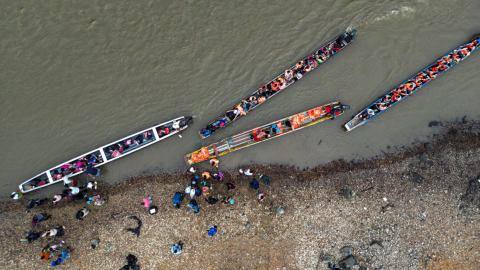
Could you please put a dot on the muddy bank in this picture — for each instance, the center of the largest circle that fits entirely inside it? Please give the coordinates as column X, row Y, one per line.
column 419, row 205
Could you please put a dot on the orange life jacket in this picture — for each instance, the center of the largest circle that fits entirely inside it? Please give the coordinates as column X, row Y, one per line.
column 200, row 156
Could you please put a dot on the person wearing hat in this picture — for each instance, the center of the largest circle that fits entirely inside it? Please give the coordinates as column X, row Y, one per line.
column 16, row 195
column 176, row 126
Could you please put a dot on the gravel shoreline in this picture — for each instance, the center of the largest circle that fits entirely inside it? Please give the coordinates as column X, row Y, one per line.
column 418, row 205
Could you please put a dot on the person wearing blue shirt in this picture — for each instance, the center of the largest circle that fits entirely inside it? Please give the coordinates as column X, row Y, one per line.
column 212, row 231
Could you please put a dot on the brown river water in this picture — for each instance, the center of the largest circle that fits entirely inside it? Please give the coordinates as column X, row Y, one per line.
column 77, row 75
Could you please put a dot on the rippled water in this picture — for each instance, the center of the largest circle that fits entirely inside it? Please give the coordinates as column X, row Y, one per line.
column 78, row 75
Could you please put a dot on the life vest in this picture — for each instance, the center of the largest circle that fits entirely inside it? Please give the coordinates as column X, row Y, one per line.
column 214, row 162
column 311, row 114
column 275, row 86
column 257, row 131
column 261, row 99
column 396, row 97
column 308, row 68
column 200, row 156
column 241, row 110
column 409, row 86
column 282, row 82
column 206, row 175
column 297, row 120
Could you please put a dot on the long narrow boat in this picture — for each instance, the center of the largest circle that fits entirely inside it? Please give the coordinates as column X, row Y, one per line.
column 414, row 83
column 279, row 83
column 104, row 154
column 267, row 132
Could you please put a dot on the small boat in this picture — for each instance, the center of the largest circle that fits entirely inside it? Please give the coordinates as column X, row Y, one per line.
column 411, row 85
column 267, row 132
column 279, row 83
column 104, row 154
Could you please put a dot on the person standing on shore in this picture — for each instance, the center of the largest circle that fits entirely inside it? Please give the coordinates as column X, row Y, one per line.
column 261, row 197
column 55, row 232
column 16, row 195
column 192, row 170
column 214, row 162
column 46, row 255
column 247, row 172
column 212, row 231
column 55, row 247
column 193, row 206
column 41, row 217
column 177, row 248
column 146, row 202
column 57, row 198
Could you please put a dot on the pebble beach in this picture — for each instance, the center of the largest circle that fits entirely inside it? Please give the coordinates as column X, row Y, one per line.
column 415, row 207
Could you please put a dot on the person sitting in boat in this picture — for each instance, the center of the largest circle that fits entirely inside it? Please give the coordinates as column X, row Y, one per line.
column 386, row 99
column 277, row 128
column 263, row 89
column 275, row 86
column 288, row 123
column 92, row 159
column 231, row 115
column 368, row 113
column 162, row 131
column 335, row 112
column 308, row 68
column 257, row 135
column 282, row 82
column 221, row 123
column 396, row 97
column 147, row 135
column 288, row 75
column 239, row 110
column 298, row 74
column 299, row 65
column 381, row 106
column 57, row 174
column 139, row 139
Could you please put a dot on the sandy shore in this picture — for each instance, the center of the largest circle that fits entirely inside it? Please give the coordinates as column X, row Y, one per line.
column 408, row 201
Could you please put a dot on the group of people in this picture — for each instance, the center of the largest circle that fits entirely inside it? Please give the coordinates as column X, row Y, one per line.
column 117, row 149
column 420, row 79
column 281, row 82
column 76, row 193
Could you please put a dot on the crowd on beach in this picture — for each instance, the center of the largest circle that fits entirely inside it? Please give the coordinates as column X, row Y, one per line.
column 201, row 185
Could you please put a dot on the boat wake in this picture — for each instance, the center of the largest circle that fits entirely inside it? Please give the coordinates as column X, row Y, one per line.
column 371, row 18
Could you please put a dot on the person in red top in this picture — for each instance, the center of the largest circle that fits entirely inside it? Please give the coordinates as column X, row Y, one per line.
column 328, row 109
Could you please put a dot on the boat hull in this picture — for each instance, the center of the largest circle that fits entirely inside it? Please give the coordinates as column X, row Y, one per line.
column 102, row 155
column 373, row 110
column 244, row 139
column 224, row 120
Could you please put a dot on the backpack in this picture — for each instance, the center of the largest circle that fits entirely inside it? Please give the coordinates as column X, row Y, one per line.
column 60, row 233
column 266, row 180
column 132, row 260
column 178, row 197
column 254, row 184
column 152, row 210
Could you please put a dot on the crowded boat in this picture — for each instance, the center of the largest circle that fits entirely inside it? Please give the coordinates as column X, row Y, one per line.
column 282, row 81
column 408, row 87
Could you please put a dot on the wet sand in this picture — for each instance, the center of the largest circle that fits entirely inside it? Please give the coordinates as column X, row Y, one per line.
column 409, row 201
